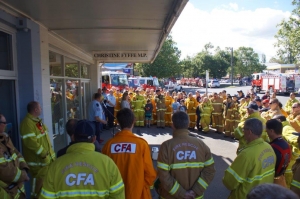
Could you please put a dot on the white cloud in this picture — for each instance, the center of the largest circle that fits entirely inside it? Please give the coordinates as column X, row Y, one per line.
column 227, row 27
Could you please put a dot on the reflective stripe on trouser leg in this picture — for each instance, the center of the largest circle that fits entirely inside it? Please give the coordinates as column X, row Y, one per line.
column 160, row 118
column 33, row 183
column 220, row 123
column 141, row 118
column 192, row 121
column 229, row 128
column 205, row 121
column 168, row 119
column 136, row 115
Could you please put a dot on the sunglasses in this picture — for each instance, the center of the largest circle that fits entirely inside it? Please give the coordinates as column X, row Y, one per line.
column 271, row 103
column 294, row 107
column 3, row 122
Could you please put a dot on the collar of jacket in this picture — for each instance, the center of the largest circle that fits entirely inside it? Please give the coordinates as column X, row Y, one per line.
column 81, row 147
column 255, row 142
column 180, row 133
column 254, row 115
column 36, row 119
column 125, row 132
column 285, row 123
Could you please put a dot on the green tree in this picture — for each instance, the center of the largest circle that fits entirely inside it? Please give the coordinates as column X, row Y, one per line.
column 166, row 64
column 247, row 62
column 288, row 37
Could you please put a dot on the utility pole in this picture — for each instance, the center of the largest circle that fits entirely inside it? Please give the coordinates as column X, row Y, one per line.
column 231, row 66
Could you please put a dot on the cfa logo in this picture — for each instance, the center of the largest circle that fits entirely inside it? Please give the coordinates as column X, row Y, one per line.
column 186, row 155
column 123, row 148
column 72, row 179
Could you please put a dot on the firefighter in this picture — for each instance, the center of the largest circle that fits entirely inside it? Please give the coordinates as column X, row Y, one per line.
column 138, row 163
column 289, row 103
column 154, row 116
column 206, row 109
column 287, row 134
column 191, row 105
column 13, row 168
column 274, row 110
column 168, row 102
column 138, row 105
column 217, row 114
column 82, row 172
column 252, row 112
column 295, row 185
column 254, row 165
column 294, row 117
column 185, row 164
column 230, row 113
column 37, row 149
column 242, row 109
column 160, row 109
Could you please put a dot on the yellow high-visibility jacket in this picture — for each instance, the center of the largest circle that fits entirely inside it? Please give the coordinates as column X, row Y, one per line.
column 37, row 149
column 83, row 173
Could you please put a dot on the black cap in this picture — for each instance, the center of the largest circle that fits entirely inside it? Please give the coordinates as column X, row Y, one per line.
column 253, row 106
column 84, row 129
column 258, row 100
column 157, row 90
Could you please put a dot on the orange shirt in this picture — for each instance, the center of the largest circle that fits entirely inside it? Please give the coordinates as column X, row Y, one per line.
column 132, row 156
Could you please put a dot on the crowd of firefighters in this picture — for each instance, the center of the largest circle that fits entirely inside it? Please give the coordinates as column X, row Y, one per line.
column 220, row 111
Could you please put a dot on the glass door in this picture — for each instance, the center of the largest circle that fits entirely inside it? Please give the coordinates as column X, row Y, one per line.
column 86, row 98
column 8, row 109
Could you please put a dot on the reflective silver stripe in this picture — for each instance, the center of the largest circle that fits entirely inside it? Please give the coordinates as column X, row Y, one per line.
column 17, row 177
column 36, row 164
column 28, row 135
column 41, row 135
column 33, row 187
column 40, row 150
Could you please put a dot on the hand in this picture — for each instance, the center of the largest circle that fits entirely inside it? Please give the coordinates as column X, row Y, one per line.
column 189, row 195
column 104, row 122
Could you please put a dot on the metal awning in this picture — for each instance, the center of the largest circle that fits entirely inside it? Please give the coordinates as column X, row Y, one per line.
column 110, row 30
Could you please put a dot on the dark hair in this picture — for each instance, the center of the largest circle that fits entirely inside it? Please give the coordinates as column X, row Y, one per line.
column 70, row 126
column 125, row 118
column 125, row 94
column 97, row 95
column 279, row 117
column 271, row 191
column 31, row 106
column 275, row 125
column 180, row 120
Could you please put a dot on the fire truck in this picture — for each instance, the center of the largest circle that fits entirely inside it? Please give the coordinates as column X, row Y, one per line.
column 279, row 83
column 116, row 79
column 149, row 82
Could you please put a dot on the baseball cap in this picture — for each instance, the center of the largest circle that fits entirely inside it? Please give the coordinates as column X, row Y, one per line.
column 265, row 101
column 258, row 100
column 253, row 106
column 247, row 96
column 240, row 91
column 157, row 91
column 84, row 129
column 235, row 95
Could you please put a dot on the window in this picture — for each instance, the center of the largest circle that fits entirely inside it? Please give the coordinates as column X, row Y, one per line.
column 55, row 61
column 6, row 58
column 71, row 67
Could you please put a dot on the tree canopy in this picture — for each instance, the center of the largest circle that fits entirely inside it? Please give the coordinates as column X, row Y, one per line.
column 166, row 64
column 288, row 38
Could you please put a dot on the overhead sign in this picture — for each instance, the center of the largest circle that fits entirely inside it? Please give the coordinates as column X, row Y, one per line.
column 115, row 56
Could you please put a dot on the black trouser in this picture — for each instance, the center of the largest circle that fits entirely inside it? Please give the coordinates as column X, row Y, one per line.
column 198, row 121
column 98, row 130
column 110, row 116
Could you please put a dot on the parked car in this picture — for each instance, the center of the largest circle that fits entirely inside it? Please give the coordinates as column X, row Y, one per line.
column 213, row 84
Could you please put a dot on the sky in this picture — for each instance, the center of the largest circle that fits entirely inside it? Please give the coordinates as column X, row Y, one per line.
column 249, row 23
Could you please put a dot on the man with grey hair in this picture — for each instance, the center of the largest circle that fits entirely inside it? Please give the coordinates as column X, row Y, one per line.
column 252, row 112
column 185, row 164
column 254, row 165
